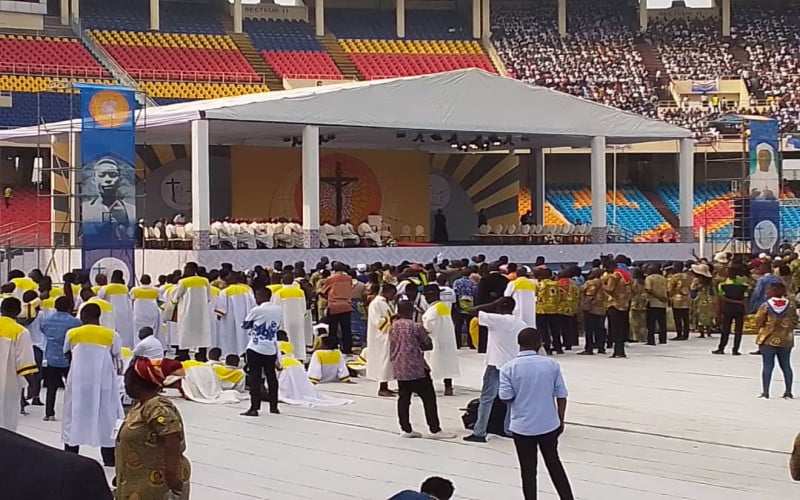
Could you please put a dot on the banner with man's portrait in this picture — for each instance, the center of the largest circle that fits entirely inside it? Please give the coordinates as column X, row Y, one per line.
column 107, row 177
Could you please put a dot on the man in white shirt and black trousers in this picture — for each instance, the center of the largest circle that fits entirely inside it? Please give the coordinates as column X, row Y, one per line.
column 263, row 355
column 528, row 385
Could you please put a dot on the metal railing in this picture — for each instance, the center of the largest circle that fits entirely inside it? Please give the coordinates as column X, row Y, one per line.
column 53, row 70
column 194, row 76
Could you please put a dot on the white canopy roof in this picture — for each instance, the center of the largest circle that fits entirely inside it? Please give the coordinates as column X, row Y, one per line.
column 370, row 114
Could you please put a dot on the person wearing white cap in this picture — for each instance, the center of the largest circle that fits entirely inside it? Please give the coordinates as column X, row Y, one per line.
column 702, row 294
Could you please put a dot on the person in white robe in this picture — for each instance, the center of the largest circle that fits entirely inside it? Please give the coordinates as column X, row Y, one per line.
column 146, row 312
column 295, row 386
column 230, row 376
column 149, row 346
column 292, row 300
column 118, row 294
column 213, row 319
column 190, row 300
column 379, row 318
column 201, row 385
column 328, row 363
column 92, row 404
column 523, row 291
column 438, row 322
column 16, row 362
column 232, row 306
column 365, row 232
column 21, row 283
column 106, row 308
column 168, row 333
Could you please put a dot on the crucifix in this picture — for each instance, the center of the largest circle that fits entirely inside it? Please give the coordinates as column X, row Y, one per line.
column 339, row 182
column 98, row 269
column 172, row 183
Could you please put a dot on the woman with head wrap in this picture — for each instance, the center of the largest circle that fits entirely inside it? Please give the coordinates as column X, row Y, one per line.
column 150, row 443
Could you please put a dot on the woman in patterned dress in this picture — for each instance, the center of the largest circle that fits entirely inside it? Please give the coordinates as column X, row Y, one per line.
column 150, row 443
column 703, row 299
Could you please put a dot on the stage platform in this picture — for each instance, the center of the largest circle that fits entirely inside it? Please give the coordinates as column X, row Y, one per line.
column 156, row 262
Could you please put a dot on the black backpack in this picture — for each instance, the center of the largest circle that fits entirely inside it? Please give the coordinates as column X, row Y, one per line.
column 496, row 418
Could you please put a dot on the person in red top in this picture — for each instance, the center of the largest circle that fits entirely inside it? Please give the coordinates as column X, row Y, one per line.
column 338, row 291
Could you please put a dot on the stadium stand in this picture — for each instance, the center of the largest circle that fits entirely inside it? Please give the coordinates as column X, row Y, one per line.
column 597, row 60
column 25, row 222
column 712, row 207
column 635, row 213
column 291, row 49
column 434, row 42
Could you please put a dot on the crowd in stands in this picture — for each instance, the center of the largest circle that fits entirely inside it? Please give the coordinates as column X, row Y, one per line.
column 597, row 60
column 693, row 49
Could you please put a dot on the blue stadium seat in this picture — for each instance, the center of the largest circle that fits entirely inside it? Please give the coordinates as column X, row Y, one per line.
column 381, row 24
column 134, row 15
column 282, row 35
column 30, row 107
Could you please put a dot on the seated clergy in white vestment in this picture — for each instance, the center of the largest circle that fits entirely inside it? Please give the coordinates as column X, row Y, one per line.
column 328, row 363
column 283, row 238
column 329, row 236
column 349, row 237
column 365, row 232
column 263, row 236
column 296, row 231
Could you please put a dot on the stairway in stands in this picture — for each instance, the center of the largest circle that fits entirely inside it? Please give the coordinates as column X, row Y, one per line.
column 653, row 63
column 662, row 208
column 252, row 56
column 26, row 222
column 340, row 57
column 53, row 27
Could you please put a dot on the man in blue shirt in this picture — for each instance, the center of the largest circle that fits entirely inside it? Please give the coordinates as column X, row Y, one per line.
column 528, row 385
column 54, row 328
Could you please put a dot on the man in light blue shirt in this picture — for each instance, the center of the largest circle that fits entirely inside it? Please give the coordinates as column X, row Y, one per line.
column 529, row 384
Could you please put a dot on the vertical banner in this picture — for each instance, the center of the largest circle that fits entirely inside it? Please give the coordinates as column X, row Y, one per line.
column 764, row 172
column 107, row 178
column 764, row 184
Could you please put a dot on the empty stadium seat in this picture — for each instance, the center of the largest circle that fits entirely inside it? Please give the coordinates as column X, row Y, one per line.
column 381, row 24
column 170, row 92
column 712, row 208
column 183, row 57
column 30, row 107
column 134, row 15
column 34, row 55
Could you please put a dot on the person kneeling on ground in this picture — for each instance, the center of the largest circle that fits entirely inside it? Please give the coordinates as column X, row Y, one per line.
column 328, row 363
column 433, row 488
column 149, row 346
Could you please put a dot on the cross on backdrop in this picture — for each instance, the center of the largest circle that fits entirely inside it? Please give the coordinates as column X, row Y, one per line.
column 339, row 182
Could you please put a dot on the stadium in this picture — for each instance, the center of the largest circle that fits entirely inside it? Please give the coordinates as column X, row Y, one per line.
column 710, row 71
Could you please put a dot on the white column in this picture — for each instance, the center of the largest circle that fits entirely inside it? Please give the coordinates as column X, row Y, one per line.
column 155, row 15
column 401, row 18
column 598, row 166
column 562, row 17
column 643, row 18
column 686, row 190
column 74, row 199
column 319, row 16
column 538, row 192
column 486, row 18
column 76, row 11
column 237, row 16
column 201, row 210
column 311, row 186
column 726, row 17
column 64, row 14
column 476, row 19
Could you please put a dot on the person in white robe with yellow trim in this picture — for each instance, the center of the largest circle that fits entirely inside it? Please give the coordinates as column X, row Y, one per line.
column 190, row 300
column 523, row 291
column 230, row 376
column 16, row 361
column 293, row 301
column 213, row 319
column 145, row 308
column 294, row 386
column 438, row 322
column 106, row 308
column 201, row 385
column 117, row 293
column 379, row 318
column 232, row 306
column 328, row 363
column 92, row 404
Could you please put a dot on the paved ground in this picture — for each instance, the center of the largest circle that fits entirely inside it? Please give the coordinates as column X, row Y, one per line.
column 668, row 422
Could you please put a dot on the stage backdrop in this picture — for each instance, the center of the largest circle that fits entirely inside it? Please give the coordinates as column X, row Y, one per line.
column 108, row 181
column 265, row 182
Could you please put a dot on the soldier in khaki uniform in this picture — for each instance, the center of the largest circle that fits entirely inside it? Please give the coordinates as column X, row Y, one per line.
column 678, row 287
column 638, row 315
column 617, row 284
column 593, row 305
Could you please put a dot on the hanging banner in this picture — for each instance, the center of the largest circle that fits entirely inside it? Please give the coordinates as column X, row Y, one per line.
column 764, row 170
column 704, row 86
column 107, row 177
column 765, row 224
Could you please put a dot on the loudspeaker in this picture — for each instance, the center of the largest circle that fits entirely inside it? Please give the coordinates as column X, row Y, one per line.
column 741, row 218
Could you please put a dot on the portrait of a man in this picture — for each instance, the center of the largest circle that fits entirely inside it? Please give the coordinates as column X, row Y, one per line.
column 108, row 203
